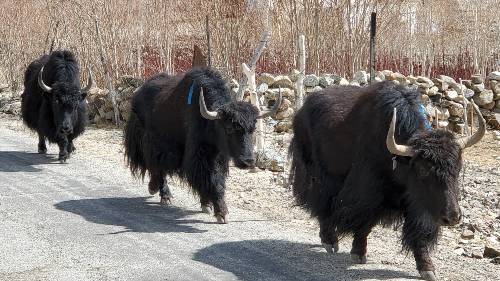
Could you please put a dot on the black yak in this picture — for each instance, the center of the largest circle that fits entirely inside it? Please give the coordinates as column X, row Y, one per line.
column 187, row 125
column 353, row 168
column 53, row 103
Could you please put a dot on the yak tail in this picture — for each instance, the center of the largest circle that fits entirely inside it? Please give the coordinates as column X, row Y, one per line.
column 299, row 173
column 134, row 137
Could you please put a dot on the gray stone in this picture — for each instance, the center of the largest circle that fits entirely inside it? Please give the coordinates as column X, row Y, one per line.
column 483, row 98
column 447, row 79
column 283, row 82
column 440, row 84
column 450, row 94
column 285, row 103
column 401, row 78
column 495, row 87
column 425, row 80
column 283, row 126
column 380, row 75
column 354, row 83
column 489, row 106
column 266, row 78
column 287, row 113
column 492, row 250
column 311, row 80
column 495, row 75
column 433, row 91
column 467, row 83
column 455, row 109
column 477, row 79
column 343, row 82
column 326, row 81
column 468, row 93
column 477, row 88
column 361, row 77
column 11, row 108
column 412, row 79
column 467, row 234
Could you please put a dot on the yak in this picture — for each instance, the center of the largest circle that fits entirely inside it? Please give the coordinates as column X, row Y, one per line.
column 53, row 102
column 188, row 125
column 367, row 156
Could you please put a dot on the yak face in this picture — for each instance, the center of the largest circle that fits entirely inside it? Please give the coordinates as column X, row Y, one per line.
column 236, row 127
column 64, row 100
column 431, row 176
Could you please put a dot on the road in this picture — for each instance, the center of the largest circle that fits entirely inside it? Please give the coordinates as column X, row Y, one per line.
column 89, row 219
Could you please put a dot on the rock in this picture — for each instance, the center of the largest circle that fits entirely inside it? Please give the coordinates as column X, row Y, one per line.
column 425, row 99
column 283, row 82
column 401, row 78
column 433, row 91
column 425, row 80
column 354, row 83
column 477, row 88
column 272, row 94
column 468, row 93
column 436, row 98
column 483, row 98
column 489, row 106
column 492, row 250
column 467, row 234
column 380, row 75
column 467, row 83
column 443, row 113
column 455, row 109
column 412, row 79
column 377, row 79
column 311, row 81
column 440, row 84
column 284, row 114
column 459, row 251
column 495, row 87
column 361, row 77
column 477, row 79
column 495, row 75
column 130, row 81
column 443, row 123
column 389, row 75
column 450, row 94
column 271, row 160
column 496, row 260
column 285, row 103
column 343, row 82
column 326, row 81
column 477, row 253
column 266, row 78
column 458, row 128
column 283, row 126
column 294, row 75
column 262, row 88
column 446, row 79
column 12, row 108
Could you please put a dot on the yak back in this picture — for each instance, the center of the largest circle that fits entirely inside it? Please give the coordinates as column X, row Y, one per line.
column 164, row 108
column 342, row 125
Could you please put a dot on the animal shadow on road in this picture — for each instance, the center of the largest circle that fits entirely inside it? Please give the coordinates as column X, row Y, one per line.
column 20, row 161
column 285, row 260
column 135, row 214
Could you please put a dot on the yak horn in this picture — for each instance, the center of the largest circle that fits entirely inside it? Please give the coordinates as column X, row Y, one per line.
column 90, row 81
column 392, row 146
column 42, row 85
column 210, row 115
column 469, row 141
column 272, row 111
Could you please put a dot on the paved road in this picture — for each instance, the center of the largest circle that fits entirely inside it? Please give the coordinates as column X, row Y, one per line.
column 89, row 220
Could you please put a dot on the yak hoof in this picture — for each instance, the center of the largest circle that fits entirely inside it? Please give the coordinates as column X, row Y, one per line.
column 153, row 190
column 42, row 150
column 358, row 259
column 165, row 201
column 207, row 209
column 331, row 248
column 63, row 158
column 221, row 219
column 428, row 275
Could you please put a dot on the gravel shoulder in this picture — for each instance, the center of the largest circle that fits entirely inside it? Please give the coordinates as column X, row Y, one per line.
column 268, row 238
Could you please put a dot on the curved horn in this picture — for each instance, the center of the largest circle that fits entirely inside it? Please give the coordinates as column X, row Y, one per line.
column 90, row 81
column 272, row 111
column 42, row 85
column 392, row 146
column 210, row 115
column 469, row 141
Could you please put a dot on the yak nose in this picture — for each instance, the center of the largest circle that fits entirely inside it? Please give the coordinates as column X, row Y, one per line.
column 452, row 218
column 65, row 128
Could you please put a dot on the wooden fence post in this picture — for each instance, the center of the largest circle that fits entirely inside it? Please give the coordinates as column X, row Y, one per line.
column 299, row 85
column 373, row 33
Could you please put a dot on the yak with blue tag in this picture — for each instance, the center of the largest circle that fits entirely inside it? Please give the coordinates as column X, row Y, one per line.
column 188, row 125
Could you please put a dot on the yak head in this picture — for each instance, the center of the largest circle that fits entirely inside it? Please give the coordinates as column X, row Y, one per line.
column 64, row 99
column 429, row 167
column 235, row 122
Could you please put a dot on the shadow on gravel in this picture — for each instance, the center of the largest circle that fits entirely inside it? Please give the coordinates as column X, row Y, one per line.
column 20, row 161
column 135, row 214
column 285, row 260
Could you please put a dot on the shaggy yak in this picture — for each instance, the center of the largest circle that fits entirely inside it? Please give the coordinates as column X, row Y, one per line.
column 354, row 168
column 53, row 103
column 189, row 126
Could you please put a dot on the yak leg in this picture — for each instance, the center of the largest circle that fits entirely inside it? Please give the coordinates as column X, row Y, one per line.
column 71, row 146
column 165, row 194
column 63, row 149
column 359, row 243
column 424, row 263
column 159, row 183
column 42, row 148
column 328, row 235
column 219, row 203
column 206, row 206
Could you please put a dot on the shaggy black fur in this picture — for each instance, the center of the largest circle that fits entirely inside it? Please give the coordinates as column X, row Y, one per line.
column 59, row 116
column 343, row 173
column 165, row 135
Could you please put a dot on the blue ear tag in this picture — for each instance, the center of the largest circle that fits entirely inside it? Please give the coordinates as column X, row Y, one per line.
column 190, row 94
column 427, row 125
